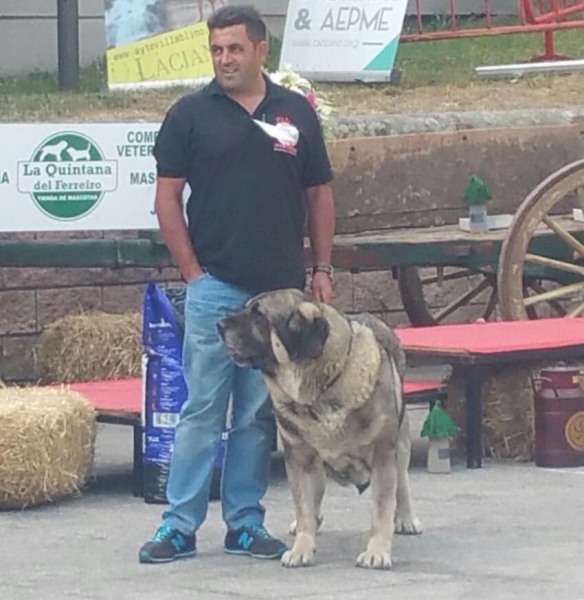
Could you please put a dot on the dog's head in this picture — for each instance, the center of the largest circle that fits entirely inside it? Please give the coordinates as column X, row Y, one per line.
column 275, row 328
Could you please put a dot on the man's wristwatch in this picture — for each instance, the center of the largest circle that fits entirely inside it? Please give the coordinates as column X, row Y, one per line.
column 328, row 269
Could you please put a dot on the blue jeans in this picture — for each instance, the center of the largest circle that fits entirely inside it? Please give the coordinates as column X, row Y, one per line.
column 211, row 378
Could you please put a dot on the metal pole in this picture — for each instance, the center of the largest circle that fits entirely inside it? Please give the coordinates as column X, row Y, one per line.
column 68, row 43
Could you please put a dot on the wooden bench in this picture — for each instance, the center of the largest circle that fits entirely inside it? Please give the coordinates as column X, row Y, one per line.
column 120, row 402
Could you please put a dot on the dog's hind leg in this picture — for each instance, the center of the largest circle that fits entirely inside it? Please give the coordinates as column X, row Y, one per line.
column 302, row 467
column 319, row 489
column 406, row 521
column 383, row 490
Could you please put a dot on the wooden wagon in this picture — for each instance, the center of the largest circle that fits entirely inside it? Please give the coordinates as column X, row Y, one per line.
column 533, row 268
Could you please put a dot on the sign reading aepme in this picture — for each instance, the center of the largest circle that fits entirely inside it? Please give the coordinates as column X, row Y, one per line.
column 343, row 40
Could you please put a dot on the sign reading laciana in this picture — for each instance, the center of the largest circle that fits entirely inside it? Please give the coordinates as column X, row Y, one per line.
column 63, row 177
column 156, row 43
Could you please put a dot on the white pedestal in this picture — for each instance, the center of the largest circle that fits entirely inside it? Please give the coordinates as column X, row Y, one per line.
column 493, row 222
column 438, row 455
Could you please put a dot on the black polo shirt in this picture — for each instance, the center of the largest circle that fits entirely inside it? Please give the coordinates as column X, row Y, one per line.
column 246, row 211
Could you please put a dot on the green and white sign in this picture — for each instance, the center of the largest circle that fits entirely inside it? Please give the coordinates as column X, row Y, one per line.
column 67, row 175
column 343, row 40
column 77, row 176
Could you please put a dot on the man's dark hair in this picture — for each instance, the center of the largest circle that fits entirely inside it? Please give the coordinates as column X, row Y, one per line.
column 228, row 16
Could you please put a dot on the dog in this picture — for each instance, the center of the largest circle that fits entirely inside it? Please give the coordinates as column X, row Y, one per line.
column 54, row 150
column 336, row 387
column 77, row 155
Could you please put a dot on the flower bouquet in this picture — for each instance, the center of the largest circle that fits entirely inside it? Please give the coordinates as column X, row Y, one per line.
column 292, row 81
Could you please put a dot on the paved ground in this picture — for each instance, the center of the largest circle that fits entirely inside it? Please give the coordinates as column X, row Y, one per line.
column 508, row 531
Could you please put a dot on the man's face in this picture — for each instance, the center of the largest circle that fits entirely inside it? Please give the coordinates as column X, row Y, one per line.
column 237, row 61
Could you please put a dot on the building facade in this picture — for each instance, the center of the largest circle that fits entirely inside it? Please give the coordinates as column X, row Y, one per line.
column 28, row 32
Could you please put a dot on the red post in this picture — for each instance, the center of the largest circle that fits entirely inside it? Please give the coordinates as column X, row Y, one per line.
column 549, row 45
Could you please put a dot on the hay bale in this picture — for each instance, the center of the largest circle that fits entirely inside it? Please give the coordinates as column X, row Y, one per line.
column 509, row 413
column 89, row 347
column 507, row 410
column 46, row 445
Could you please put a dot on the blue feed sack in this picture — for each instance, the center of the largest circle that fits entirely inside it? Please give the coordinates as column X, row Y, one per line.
column 165, row 389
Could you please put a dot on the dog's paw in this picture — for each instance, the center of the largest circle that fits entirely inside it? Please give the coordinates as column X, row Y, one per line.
column 292, row 529
column 374, row 560
column 409, row 525
column 301, row 554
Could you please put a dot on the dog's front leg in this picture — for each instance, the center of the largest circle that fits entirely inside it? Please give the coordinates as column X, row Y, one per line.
column 302, row 468
column 319, row 489
column 383, row 490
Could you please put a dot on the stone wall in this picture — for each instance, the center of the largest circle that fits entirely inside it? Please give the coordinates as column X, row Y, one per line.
column 30, row 298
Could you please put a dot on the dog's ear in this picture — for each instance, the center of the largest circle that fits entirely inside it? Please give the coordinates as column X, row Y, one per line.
column 308, row 331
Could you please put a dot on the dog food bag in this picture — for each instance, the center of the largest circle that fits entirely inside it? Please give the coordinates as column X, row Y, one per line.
column 165, row 389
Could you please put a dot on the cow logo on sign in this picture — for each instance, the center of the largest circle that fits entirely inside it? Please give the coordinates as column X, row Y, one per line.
column 67, row 176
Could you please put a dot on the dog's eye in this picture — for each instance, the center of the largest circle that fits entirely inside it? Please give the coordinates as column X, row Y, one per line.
column 255, row 309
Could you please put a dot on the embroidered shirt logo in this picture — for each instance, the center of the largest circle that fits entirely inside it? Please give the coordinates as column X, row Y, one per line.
column 284, row 134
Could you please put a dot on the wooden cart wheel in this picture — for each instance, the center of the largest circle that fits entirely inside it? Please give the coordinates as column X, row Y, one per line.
column 541, row 265
column 413, row 291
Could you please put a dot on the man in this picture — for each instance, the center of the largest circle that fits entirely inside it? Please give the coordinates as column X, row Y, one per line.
column 255, row 160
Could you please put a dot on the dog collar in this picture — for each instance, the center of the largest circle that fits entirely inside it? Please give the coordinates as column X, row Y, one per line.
column 332, row 382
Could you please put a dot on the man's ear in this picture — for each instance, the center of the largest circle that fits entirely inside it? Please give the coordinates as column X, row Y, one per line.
column 308, row 332
column 262, row 50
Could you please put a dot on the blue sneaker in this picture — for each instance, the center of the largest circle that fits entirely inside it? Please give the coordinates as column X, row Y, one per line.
column 167, row 545
column 254, row 541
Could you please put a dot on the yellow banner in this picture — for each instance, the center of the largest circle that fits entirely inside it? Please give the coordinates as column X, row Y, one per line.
column 181, row 54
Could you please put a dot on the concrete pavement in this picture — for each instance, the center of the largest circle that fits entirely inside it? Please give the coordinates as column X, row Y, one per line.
column 508, row 531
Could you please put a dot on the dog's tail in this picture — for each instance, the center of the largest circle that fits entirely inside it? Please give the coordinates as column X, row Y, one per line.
column 386, row 338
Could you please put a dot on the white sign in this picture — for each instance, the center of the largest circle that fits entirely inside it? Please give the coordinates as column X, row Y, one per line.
column 75, row 176
column 343, row 40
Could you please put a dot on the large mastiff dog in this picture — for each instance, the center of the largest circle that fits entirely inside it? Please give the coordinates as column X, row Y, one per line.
column 336, row 386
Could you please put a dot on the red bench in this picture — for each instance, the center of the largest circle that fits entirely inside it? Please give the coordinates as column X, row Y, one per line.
column 120, row 402
column 482, row 347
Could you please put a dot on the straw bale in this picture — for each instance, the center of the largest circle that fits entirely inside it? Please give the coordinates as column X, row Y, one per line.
column 90, row 346
column 47, row 443
column 507, row 410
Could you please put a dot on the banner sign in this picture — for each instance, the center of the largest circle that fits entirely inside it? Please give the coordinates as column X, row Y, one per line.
column 179, row 57
column 157, row 43
column 343, row 40
column 74, row 176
